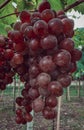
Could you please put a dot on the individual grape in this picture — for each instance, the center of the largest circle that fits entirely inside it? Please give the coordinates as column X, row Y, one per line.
column 16, row 36
column 62, row 58
column 34, row 71
column 25, row 77
column 17, row 25
column 55, row 88
column 24, row 121
column 18, row 119
column 65, row 80
column 70, row 34
column 60, row 38
column 34, row 44
column 67, row 44
column 23, row 26
column 44, row 5
column 44, row 92
column 49, row 42
column 27, row 86
column 28, row 32
column 73, row 67
column 76, row 55
column 19, row 111
column 28, row 117
column 33, row 83
column 24, row 92
column 55, row 26
column 46, row 64
column 28, row 108
column 43, row 79
column 19, row 101
column 33, row 93
column 20, row 47
column 51, row 101
column 47, row 14
column 40, row 28
column 54, row 74
column 26, row 101
column 25, row 16
column 68, row 25
column 49, row 113
column 38, row 105
column 17, row 59
column 8, row 54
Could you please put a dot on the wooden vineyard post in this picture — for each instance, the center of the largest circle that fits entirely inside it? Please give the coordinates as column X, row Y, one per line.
column 14, row 93
column 68, row 93
column 30, row 124
column 79, row 87
column 58, row 112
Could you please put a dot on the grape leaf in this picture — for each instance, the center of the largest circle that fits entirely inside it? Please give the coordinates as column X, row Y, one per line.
column 2, row 28
column 56, row 4
column 7, row 10
column 20, row 5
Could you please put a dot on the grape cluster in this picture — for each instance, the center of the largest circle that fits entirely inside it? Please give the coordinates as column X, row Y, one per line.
column 44, row 58
column 6, row 54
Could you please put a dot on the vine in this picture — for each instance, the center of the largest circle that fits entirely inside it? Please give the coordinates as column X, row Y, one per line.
column 4, row 4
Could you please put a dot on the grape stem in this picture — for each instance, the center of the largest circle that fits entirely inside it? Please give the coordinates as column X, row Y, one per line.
column 4, row 4
column 65, row 10
column 73, row 5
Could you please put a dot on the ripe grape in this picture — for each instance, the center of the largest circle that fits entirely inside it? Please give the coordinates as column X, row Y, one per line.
column 47, row 14
column 33, row 93
column 38, row 105
column 17, row 25
column 25, row 16
column 34, row 44
column 17, row 59
column 43, row 79
column 55, row 26
column 49, row 113
column 67, row 44
column 44, row 5
column 40, row 28
column 65, row 80
column 28, row 32
column 51, row 101
column 46, row 64
column 62, row 58
column 49, row 42
column 68, row 25
column 76, row 55
column 55, row 88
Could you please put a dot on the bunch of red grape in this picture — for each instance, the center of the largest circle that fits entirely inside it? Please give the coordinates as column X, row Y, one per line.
column 44, row 58
column 6, row 54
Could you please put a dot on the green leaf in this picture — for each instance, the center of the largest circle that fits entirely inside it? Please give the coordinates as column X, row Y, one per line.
column 20, row 5
column 56, row 4
column 2, row 29
column 7, row 10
